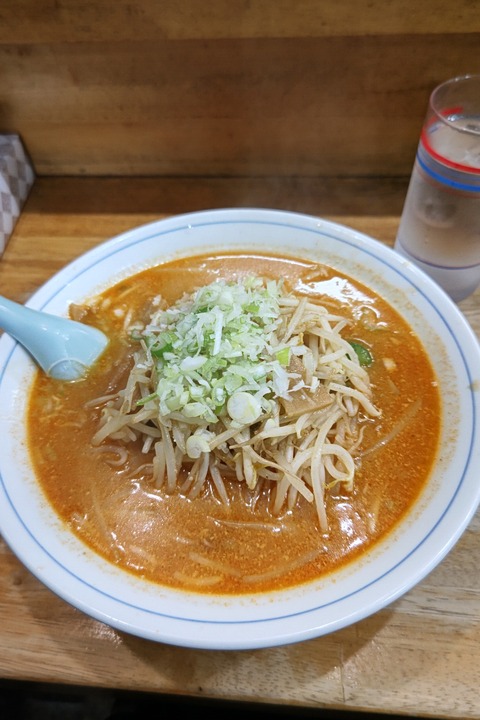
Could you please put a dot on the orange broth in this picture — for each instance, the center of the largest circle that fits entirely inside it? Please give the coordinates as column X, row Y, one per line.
column 201, row 545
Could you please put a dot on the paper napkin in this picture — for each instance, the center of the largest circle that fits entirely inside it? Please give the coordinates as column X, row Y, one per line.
column 16, row 179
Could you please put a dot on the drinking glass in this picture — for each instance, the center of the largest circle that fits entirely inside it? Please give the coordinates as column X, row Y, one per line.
column 439, row 229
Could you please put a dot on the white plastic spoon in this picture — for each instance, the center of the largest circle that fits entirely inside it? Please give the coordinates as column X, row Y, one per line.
column 64, row 349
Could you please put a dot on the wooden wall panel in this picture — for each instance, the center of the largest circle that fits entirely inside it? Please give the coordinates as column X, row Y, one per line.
column 227, row 88
column 27, row 21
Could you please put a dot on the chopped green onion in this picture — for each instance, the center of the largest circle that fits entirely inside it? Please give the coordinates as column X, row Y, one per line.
column 283, row 356
column 146, row 399
column 158, row 352
column 364, row 355
column 216, row 343
column 244, row 408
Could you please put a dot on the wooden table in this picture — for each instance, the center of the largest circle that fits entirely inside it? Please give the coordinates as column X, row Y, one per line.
column 419, row 656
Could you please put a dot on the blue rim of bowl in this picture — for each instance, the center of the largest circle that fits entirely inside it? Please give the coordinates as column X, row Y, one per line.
column 323, row 229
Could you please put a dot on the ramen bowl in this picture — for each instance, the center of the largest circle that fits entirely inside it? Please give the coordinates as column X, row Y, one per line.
column 419, row 541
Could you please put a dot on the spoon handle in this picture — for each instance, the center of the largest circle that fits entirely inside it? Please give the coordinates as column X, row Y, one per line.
column 19, row 321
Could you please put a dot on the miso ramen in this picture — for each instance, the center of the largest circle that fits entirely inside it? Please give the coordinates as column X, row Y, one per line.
column 255, row 423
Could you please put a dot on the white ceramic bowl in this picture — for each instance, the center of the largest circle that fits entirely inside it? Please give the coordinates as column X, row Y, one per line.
column 418, row 544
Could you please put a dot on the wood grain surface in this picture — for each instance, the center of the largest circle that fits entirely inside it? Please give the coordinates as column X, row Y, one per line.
column 419, row 656
column 287, row 87
column 73, row 21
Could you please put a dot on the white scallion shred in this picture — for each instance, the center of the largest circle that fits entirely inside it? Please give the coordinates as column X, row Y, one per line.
column 214, row 347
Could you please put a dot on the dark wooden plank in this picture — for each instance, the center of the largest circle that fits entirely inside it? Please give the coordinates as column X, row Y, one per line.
column 325, row 106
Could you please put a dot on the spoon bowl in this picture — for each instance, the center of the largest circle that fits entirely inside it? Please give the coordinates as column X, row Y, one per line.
column 63, row 348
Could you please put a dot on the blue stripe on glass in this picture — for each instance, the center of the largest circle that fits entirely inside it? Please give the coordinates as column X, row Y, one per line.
column 444, row 180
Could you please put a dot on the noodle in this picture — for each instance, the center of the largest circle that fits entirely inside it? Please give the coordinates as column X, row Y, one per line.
column 251, row 376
